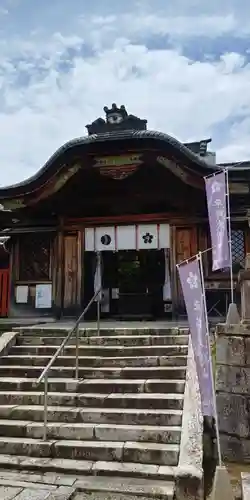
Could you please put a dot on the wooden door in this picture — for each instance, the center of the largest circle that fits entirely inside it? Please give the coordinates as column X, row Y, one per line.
column 71, row 273
column 186, row 244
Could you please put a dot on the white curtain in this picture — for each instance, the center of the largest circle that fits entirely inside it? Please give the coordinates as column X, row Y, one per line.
column 167, row 283
column 98, row 275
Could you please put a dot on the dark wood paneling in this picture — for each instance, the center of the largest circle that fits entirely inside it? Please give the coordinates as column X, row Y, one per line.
column 4, row 292
column 186, row 243
column 35, row 257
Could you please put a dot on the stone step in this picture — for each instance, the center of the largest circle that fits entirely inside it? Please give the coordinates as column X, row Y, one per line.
column 91, row 431
column 80, row 467
column 79, row 400
column 94, row 361
column 158, row 490
column 150, row 482
column 70, row 414
column 102, row 350
column 169, row 372
column 119, row 340
column 122, row 417
column 94, row 385
column 149, row 453
column 130, row 451
column 92, row 332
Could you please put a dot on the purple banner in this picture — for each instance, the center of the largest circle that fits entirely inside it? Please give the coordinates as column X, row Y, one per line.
column 217, row 216
column 190, row 277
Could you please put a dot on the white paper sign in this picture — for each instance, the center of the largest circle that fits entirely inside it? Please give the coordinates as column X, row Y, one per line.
column 105, row 308
column 44, row 296
column 115, row 293
column 22, row 294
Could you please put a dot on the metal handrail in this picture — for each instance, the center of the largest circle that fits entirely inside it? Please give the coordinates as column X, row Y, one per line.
column 44, row 376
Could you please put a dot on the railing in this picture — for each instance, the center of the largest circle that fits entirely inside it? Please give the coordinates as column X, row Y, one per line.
column 44, row 376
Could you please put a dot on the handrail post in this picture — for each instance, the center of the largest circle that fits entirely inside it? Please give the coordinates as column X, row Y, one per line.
column 45, row 373
column 45, row 409
column 98, row 313
column 77, row 352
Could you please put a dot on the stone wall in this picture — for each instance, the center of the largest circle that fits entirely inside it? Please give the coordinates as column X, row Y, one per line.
column 233, row 391
column 189, row 474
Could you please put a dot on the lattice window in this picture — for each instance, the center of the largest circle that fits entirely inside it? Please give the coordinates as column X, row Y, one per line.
column 238, row 252
column 238, row 248
column 34, row 257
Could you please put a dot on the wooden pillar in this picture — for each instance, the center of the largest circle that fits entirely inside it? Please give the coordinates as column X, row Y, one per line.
column 173, row 271
column 80, row 269
column 72, row 272
column 247, row 240
column 58, row 274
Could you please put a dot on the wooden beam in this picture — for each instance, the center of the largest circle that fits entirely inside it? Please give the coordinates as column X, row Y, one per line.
column 130, row 219
column 177, row 200
column 25, row 230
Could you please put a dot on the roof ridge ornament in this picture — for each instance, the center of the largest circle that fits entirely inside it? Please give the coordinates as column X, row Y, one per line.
column 115, row 114
column 117, row 118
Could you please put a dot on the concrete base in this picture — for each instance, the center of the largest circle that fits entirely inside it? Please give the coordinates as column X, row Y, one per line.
column 222, row 487
column 233, row 317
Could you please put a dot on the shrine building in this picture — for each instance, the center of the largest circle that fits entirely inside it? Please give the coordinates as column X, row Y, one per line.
column 136, row 198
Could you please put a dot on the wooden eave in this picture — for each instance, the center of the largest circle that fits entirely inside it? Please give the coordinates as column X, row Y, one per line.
column 110, row 143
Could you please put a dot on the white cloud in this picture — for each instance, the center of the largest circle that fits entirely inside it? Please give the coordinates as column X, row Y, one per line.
column 50, row 90
column 192, row 18
column 178, row 25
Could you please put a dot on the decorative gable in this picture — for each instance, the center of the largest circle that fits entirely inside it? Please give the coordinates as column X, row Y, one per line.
column 116, row 119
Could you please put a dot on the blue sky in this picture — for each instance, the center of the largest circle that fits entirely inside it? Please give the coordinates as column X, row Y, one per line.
column 182, row 64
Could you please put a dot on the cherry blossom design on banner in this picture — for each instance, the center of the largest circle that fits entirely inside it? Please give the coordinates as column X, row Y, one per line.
column 217, row 215
column 190, row 278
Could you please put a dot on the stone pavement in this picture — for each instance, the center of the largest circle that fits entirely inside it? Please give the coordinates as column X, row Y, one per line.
column 34, row 486
column 26, row 485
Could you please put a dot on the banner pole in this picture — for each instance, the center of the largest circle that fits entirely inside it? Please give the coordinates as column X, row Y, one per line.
column 221, row 170
column 210, row 358
column 193, row 257
column 213, row 174
column 229, row 236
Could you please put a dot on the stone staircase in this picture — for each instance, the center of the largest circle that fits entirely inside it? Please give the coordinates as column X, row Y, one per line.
column 116, row 430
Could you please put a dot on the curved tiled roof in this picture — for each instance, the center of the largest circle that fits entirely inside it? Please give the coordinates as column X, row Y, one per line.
column 123, row 135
